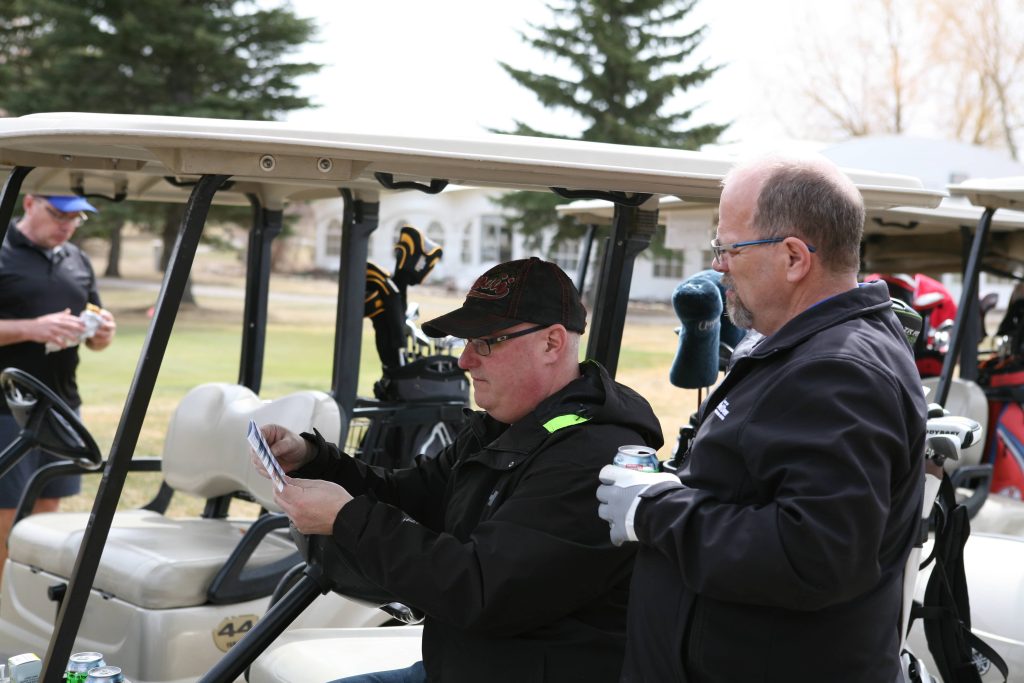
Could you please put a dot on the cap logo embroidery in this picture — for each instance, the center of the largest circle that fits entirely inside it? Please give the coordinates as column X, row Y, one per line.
column 496, row 287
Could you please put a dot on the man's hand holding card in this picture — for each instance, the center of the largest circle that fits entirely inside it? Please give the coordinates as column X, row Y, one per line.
column 265, row 456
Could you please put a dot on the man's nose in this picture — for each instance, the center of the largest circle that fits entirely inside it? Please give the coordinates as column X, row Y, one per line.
column 468, row 358
column 718, row 265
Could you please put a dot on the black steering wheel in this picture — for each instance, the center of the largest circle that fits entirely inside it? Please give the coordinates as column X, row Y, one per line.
column 46, row 423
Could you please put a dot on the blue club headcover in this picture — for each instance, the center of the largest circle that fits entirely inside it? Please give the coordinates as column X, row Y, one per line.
column 698, row 305
column 730, row 334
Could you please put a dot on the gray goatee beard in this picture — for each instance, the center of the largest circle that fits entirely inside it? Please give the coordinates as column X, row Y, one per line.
column 739, row 314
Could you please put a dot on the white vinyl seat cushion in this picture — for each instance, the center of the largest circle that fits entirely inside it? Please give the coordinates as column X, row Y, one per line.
column 149, row 560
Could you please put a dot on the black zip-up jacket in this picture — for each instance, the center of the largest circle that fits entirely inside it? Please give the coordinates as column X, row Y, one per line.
column 781, row 558
column 498, row 541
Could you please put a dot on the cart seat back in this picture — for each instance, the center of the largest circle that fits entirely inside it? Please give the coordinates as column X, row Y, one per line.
column 206, row 452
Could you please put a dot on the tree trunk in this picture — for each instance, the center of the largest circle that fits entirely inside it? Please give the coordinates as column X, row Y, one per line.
column 114, row 255
column 172, row 223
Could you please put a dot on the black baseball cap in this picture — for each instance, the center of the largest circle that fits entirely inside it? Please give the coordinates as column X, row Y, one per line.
column 523, row 291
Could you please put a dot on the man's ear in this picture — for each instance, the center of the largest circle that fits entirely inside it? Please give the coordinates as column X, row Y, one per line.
column 556, row 338
column 798, row 259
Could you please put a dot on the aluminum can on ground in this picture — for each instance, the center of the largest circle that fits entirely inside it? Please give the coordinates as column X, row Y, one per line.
column 639, row 458
column 80, row 664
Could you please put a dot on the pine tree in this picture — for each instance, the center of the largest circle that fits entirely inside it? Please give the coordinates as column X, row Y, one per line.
column 209, row 58
column 627, row 58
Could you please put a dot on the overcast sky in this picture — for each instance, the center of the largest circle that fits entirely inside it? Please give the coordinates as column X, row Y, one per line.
column 409, row 65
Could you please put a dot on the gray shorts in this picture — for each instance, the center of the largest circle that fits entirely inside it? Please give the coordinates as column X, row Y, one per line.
column 14, row 483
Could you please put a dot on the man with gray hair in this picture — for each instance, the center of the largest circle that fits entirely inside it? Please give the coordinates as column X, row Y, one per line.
column 777, row 554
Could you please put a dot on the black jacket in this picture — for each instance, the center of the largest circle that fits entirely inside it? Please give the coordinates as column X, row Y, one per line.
column 782, row 557
column 498, row 541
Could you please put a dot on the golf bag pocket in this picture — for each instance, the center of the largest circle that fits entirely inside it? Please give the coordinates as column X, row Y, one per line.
column 424, row 379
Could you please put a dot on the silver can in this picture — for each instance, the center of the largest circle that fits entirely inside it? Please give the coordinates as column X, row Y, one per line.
column 80, row 664
column 639, row 458
column 106, row 674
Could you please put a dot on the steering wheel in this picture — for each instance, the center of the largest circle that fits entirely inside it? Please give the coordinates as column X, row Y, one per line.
column 46, row 423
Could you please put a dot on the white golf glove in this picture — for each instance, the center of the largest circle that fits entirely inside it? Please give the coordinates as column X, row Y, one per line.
column 619, row 495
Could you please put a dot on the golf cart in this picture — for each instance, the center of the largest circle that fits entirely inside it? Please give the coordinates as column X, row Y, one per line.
column 994, row 551
column 62, row 153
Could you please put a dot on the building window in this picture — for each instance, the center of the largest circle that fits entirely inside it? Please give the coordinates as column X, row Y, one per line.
column 495, row 239
column 466, row 255
column 333, row 245
column 706, row 258
column 435, row 233
column 669, row 264
column 566, row 254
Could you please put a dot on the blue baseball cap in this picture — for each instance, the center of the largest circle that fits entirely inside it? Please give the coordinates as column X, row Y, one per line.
column 70, row 203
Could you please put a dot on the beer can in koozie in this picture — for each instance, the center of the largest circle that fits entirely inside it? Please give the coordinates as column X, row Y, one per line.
column 80, row 664
column 639, row 458
column 106, row 674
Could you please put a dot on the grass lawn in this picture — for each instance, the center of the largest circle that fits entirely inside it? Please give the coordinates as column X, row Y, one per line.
column 205, row 347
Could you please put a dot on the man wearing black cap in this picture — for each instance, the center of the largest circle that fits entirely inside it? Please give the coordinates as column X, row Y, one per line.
column 497, row 539
column 46, row 283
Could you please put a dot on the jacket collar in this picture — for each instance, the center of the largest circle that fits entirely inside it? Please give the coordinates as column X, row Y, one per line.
column 504, row 445
column 854, row 303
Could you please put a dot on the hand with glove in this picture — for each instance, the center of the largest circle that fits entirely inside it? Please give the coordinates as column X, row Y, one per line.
column 619, row 495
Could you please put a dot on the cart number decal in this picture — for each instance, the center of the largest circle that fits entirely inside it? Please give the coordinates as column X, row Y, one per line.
column 231, row 630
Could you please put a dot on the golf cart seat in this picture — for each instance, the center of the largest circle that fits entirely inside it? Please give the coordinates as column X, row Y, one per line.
column 158, row 574
column 323, row 654
column 157, row 562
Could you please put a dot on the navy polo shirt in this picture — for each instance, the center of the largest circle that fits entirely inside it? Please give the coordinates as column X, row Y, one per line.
column 34, row 282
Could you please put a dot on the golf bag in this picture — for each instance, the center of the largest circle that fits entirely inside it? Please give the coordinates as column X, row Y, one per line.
column 935, row 304
column 960, row 656
column 419, row 400
column 1002, row 378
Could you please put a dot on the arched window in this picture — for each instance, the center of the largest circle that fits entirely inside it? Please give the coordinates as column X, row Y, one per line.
column 435, row 231
column 495, row 239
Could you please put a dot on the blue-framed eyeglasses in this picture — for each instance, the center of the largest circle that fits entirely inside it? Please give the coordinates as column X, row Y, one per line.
column 720, row 249
column 483, row 346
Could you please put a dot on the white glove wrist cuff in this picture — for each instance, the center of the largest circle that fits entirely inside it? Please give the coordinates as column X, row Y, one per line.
column 630, row 515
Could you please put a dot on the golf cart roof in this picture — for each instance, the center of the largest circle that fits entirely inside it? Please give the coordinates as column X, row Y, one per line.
column 948, row 216
column 69, row 144
column 892, row 235
column 893, row 239
column 994, row 193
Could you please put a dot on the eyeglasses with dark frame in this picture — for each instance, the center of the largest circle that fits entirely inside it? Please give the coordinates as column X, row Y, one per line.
column 482, row 347
column 721, row 250
column 61, row 217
